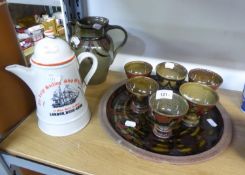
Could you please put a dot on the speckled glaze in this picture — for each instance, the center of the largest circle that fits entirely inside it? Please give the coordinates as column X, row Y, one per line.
column 170, row 78
column 141, row 88
column 201, row 99
column 138, row 68
column 167, row 113
column 204, row 76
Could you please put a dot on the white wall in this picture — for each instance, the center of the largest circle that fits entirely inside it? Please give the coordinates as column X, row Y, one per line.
column 196, row 33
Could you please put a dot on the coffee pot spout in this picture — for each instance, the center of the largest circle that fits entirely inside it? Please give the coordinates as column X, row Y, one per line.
column 24, row 73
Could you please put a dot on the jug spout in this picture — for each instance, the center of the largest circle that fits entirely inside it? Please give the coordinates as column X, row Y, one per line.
column 23, row 73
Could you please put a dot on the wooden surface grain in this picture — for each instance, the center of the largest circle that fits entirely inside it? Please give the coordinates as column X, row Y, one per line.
column 93, row 151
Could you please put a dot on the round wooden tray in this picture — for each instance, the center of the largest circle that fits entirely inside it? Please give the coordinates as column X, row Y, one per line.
column 190, row 145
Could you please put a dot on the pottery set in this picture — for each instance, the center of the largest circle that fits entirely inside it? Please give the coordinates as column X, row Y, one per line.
column 180, row 125
column 165, row 116
column 59, row 92
column 91, row 34
column 183, row 101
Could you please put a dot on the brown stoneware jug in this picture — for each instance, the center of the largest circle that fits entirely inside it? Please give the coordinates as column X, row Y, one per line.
column 91, row 34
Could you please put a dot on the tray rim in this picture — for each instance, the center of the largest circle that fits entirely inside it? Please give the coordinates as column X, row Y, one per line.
column 223, row 143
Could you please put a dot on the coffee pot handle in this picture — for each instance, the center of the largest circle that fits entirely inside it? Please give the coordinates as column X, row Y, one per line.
column 81, row 57
column 111, row 27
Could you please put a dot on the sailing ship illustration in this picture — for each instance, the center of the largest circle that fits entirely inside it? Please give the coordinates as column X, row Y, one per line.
column 64, row 97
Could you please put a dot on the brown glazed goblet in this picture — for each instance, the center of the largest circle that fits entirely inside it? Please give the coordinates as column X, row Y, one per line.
column 167, row 113
column 137, row 68
column 141, row 88
column 204, row 76
column 201, row 99
column 170, row 75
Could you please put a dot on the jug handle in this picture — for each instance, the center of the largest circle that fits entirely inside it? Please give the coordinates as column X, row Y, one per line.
column 92, row 70
column 111, row 27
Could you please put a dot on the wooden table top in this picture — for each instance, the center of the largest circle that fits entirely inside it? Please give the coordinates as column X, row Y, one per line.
column 93, row 151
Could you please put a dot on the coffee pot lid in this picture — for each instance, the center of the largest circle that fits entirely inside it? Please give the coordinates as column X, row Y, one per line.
column 52, row 51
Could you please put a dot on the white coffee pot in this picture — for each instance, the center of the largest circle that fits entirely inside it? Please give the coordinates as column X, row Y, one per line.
column 55, row 81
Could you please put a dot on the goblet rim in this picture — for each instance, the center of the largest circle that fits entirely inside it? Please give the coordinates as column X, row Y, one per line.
column 200, row 85
column 167, row 115
column 194, row 71
column 141, row 77
column 185, row 72
column 138, row 62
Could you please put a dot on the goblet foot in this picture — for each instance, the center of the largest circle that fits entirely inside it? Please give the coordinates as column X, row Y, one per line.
column 191, row 120
column 138, row 107
column 163, row 132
